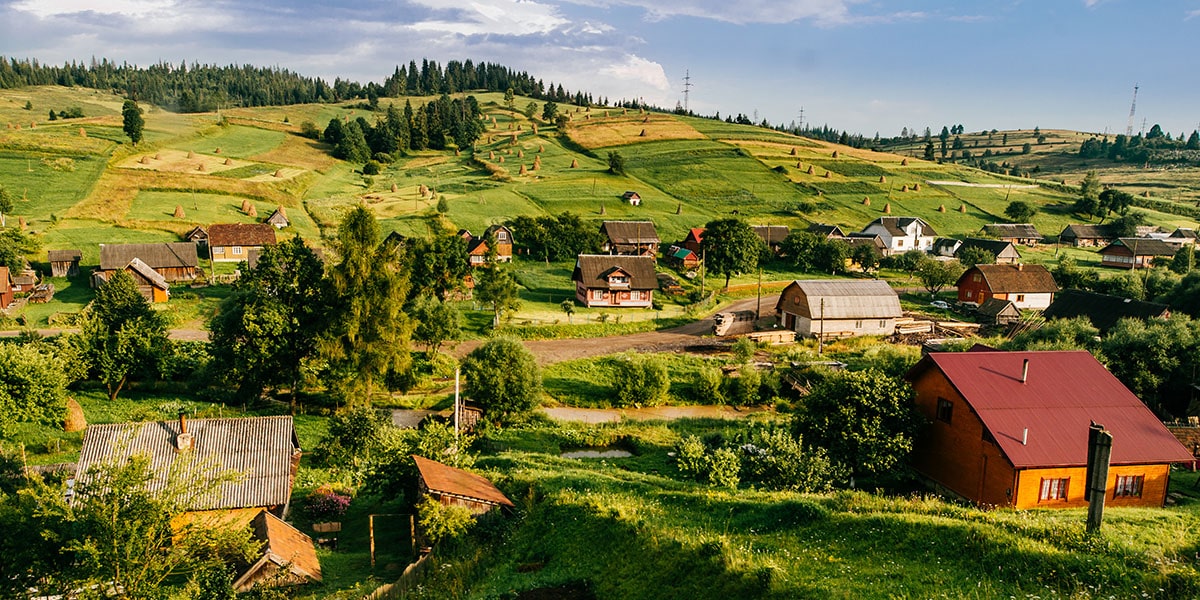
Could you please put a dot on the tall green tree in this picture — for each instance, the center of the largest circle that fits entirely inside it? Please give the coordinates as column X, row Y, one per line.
column 437, row 322
column 121, row 335
column 1088, row 202
column 15, row 245
column 370, row 334
column 866, row 419
column 549, row 111
column 33, row 383
column 730, row 247
column 504, row 378
column 1114, row 201
column 1019, row 211
column 974, row 255
column 353, row 146
column 937, row 274
column 495, row 286
column 439, row 265
column 269, row 329
column 616, row 163
column 133, row 123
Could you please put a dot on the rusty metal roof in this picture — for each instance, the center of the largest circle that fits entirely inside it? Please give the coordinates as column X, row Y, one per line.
column 261, row 448
column 449, row 480
column 1064, row 392
column 158, row 256
column 241, row 234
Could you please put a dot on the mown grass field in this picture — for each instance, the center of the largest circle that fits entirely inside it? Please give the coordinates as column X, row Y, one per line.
column 77, row 190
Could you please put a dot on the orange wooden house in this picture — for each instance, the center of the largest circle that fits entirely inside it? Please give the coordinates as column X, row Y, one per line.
column 1011, row 428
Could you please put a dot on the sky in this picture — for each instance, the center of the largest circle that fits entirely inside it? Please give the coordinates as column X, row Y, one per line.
column 858, row 65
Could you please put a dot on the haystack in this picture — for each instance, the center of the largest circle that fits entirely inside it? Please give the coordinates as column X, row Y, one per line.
column 866, row 200
column 799, row 165
column 835, row 153
column 491, row 155
column 179, row 212
column 395, row 188
column 941, row 208
column 457, row 153
column 962, row 208
column 246, row 205
column 191, row 154
column 501, row 159
column 904, row 162
column 810, row 170
column 587, row 117
column 157, row 156
column 602, row 211
column 642, row 134
column 145, row 160
column 537, row 163
column 679, row 209
column 253, row 212
column 793, row 152
column 278, row 173
column 1146, row 194
column 534, row 126
column 574, row 163
column 904, row 188
column 916, row 187
column 520, row 154
column 33, row 124
column 228, row 161
column 75, row 420
column 887, row 208
column 522, row 170
column 21, row 222
column 826, row 175
column 82, row 132
column 200, row 167
column 540, row 148
column 217, row 151
column 518, row 127
column 882, row 179
column 424, row 190
column 646, row 119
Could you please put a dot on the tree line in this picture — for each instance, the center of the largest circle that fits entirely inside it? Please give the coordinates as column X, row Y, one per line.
column 436, row 125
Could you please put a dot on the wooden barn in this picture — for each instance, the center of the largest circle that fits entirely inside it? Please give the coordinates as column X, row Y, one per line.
column 1027, row 286
column 7, row 294
column 827, row 231
column 502, row 236
column 612, row 280
column 630, row 238
column 633, row 198
column 176, row 261
column 153, row 287
column 231, row 242
column 682, row 258
column 772, row 235
column 64, row 263
column 833, row 308
column 1024, row 234
column 456, row 487
column 1083, row 235
column 694, row 240
column 197, row 234
column 1103, row 310
column 1010, row 429
column 278, row 219
column 1135, row 253
column 998, row 311
column 288, row 555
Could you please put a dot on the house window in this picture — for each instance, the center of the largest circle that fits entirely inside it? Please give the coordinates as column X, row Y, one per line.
column 899, row 243
column 237, row 249
column 1129, row 486
column 945, row 410
column 597, row 294
column 501, row 236
column 1020, row 297
column 882, row 324
column 976, row 277
column 858, row 324
column 970, row 293
column 1054, row 489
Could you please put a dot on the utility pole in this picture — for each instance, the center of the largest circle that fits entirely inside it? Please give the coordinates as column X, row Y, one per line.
column 1096, row 479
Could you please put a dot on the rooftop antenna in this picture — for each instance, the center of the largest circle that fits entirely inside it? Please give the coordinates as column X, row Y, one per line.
column 1132, row 109
column 687, row 88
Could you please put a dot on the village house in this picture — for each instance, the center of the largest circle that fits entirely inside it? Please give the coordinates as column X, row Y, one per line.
column 1182, row 236
column 264, row 450
column 152, row 286
column 901, row 234
column 614, row 280
column 64, row 263
column 1103, row 310
column 1024, row 234
column 478, row 248
column 1027, row 286
column 1010, row 429
column 694, row 240
column 197, row 234
column 503, row 237
column 456, row 487
column 231, row 242
column 827, row 231
column 682, row 258
column 772, row 235
column 633, row 198
column 630, row 238
column 1133, row 253
column 1082, row 235
column 998, row 311
column 278, row 219
column 857, row 238
column 1004, row 252
column 834, row 308
column 176, row 261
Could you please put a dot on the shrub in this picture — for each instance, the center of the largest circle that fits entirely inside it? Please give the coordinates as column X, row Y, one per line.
column 708, row 385
column 640, row 380
column 440, row 522
column 743, row 390
column 324, row 504
column 310, row 130
column 371, row 168
column 383, row 158
column 743, row 349
column 723, row 469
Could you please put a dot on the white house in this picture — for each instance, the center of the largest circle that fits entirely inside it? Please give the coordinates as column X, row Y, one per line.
column 901, row 234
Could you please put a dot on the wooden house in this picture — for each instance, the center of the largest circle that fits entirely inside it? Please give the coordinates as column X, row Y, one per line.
column 1005, row 252
column 477, row 251
column 772, row 235
column 25, row 281
column 502, row 237
column 278, row 219
column 633, row 198
column 1083, row 235
column 1011, row 428
column 197, row 234
column 1027, row 286
column 998, row 311
column 64, row 263
column 288, row 556
column 694, row 240
column 630, row 238
column 1024, row 234
column 153, row 287
column 682, row 258
column 945, row 247
column 901, row 234
column 833, row 308
column 175, row 261
column 231, row 242
column 7, row 295
column 264, row 449
column 456, row 487
column 856, row 238
column 614, row 280
column 827, row 231
column 1103, row 310
column 1133, row 253
column 1182, row 236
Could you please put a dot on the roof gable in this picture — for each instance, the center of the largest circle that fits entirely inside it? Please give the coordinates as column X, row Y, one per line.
column 1043, row 420
column 241, row 234
column 64, row 255
column 998, row 248
column 1141, row 246
column 771, row 234
column 1006, row 279
column 449, row 480
column 899, row 226
column 593, row 270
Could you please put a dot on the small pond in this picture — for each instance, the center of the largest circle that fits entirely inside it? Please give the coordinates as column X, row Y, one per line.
column 597, row 453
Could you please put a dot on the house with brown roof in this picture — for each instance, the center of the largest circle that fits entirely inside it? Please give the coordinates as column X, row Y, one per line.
column 1011, row 429
column 1003, row 251
column 478, row 247
column 998, row 311
column 456, row 487
column 632, row 197
column 176, row 261
column 614, row 280
column 1133, row 253
column 64, row 263
column 1084, row 235
column 835, row 308
column 1024, row 234
column 288, row 555
column 502, row 236
column 1103, row 310
column 1027, row 286
column 772, row 235
column 630, row 238
column 901, row 234
column 231, row 242
column 827, row 231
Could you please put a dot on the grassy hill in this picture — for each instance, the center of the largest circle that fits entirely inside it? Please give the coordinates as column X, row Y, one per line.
column 79, row 183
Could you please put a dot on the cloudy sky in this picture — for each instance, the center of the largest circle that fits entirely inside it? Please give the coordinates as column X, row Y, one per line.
column 862, row 65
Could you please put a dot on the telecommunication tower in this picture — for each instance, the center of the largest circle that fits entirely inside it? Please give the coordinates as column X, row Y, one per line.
column 1132, row 109
column 687, row 88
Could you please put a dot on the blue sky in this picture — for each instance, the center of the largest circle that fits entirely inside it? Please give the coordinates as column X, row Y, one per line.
column 862, row 65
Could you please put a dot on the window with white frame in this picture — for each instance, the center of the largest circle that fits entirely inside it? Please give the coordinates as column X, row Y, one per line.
column 1054, row 488
column 1129, row 486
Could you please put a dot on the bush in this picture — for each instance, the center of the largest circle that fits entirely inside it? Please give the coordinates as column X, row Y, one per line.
column 640, row 380
column 324, row 504
column 310, row 130
column 440, row 522
column 371, row 168
column 708, row 385
column 383, row 158
column 743, row 390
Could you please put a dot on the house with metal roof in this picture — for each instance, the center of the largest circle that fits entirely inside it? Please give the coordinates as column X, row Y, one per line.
column 901, row 234
column 834, row 308
column 1133, row 253
column 1027, row 286
column 456, row 487
column 1011, row 429
column 231, row 242
column 1024, row 234
column 1103, row 310
column 176, row 261
column 614, row 280
column 630, row 237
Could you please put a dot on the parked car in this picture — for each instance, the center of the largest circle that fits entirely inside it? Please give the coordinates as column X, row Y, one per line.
column 942, row 304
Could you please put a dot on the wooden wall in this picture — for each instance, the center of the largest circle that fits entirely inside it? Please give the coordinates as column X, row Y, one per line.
column 1154, row 487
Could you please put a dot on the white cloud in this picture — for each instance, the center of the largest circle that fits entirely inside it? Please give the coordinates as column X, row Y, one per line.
column 129, row 8
column 740, row 12
column 637, row 69
column 492, row 17
column 1192, row 14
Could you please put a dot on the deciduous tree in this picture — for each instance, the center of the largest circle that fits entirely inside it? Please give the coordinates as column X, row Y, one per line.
column 1019, row 211
column 730, row 247
column 122, row 336
column 496, row 286
column 937, row 274
column 504, row 378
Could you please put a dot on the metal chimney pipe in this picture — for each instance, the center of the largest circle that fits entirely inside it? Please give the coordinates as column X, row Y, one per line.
column 182, row 422
column 1025, row 371
column 1025, row 437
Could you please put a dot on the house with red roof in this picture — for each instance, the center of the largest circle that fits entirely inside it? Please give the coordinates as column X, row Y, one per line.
column 1011, row 429
column 694, row 239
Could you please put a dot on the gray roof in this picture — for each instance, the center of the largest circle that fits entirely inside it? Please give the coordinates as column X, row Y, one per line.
column 997, row 307
column 826, row 229
column 64, row 255
column 1103, row 310
column 996, row 247
column 593, row 271
column 846, row 298
column 771, row 234
column 1185, row 233
column 261, row 448
column 157, row 256
column 630, row 232
column 1012, row 230
column 897, row 225
column 1143, row 246
column 1085, row 231
column 151, row 275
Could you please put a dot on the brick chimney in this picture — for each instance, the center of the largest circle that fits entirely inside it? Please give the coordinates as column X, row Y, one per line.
column 183, row 441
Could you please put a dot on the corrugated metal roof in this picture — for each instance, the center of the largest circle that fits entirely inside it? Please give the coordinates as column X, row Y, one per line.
column 630, row 232
column 1064, row 392
column 1013, row 279
column 158, row 256
column 845, row 298
column 449, row 480
column 241, row 234
column 151, row 275
column 261, row 448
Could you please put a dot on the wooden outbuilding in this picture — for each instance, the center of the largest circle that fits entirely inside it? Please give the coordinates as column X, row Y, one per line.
column 633, row 198
column 614, row 280
column 175, row 261
column 278, row 219
column 630, row 238
column 1084, row 235
column 1005, row 252
column 999, row 311
column 827, row 231
column 153, row 287
column 1134, row 253
column 1010, row 429
column 7, row 295
column 834, row 308
column 1024, row 234
column 64, row 263
column 1027, row 286
column 1103, row 310
column 682, row 258
column 772, row 235
column 197, row 234
column 694, row 240
column 288, row 556
column 456, row 487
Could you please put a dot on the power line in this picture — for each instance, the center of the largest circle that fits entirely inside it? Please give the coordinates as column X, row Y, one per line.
column 1132, row 109
column 687, row 88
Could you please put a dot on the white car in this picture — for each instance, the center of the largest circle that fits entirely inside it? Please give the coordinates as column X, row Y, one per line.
column 942, row 304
